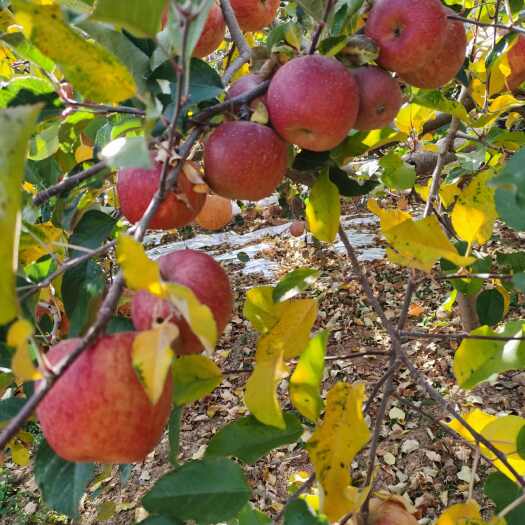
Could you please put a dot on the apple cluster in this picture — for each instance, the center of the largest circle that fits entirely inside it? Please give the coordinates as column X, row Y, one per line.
column 98, row 410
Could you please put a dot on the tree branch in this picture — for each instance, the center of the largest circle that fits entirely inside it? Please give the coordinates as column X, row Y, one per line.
column 463, row 335
column 478, row 23
column 322, row 24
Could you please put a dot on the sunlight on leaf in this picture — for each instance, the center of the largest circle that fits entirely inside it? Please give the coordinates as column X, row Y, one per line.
column 152, row 356
column 260, row 309
column 459, row 514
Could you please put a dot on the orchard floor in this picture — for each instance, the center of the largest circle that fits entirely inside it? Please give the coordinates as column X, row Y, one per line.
column 416, row 457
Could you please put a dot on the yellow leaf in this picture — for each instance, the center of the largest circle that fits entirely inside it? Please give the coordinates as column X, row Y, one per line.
column 412, row 117
column 194, row 376
column 19, row 453
column 197, row 315
column 307, row 377
column 152, row 356
column 91, row 68
column 83, row 153
column 416, row 244
column 460, row 514
column 22, row 365
column 260, row 309
column 16, row 126
column 140, row 272
column 323, row 209
column 260, row 396
column 38, row 240
column 474, row 213
column 333, row 446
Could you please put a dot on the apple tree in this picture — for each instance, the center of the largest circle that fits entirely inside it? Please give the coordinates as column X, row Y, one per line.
column 118, row 117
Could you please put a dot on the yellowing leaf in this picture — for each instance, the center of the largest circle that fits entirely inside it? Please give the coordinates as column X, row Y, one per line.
column 323, row 209
column 416, row 244
column 307, row 377
column 260, row 396
column 447, row 192
column 83, row 153
column 140, row 272
column 16, row 126
column 19, row 453
column 412, row 117
column 474, row 213
column 194, row 377
column 22, row 365
column 91, row 68
column 502, row 432
column 335, row 443
column 152, row 356
column 260, row 309
column 38, row 240
column 197, row 315
column 460, row 514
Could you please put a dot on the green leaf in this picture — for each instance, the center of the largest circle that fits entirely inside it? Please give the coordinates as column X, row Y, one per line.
column 194, row 376
column 205, row 82
column 476, row 360
column 294, row 283
column 138, row 17
column 10, row 407
column 510, row 191
column 206, row 491
column 16, row 126
column 91, row 231
column 518, row 281
column 503, row 491
column 490, row 307
column 397, row 173
column 249, row 440
column 305, row 383
column 260, row 309
column 323, row 209
column 520, row 443
column 62, row 483
column 313, row 7
column 298, row 513
column 127, row 152
column 37, row 86
column 251, row 516
column 160, row 520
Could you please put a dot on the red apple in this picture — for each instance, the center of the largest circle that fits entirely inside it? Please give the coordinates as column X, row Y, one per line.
column 245, row 84
column 313, row 102
column 136, row 187
column 216, row 213
column 516, row 57
column 208, row 281
column 409, row 33
column 297, row 228
column 98, row 410
column 444, row 66
column 389, row 512
column 244, row 160
column 212, row 33
column 380, row 98
column 254, row 15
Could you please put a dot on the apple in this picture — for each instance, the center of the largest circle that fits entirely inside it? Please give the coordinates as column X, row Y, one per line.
column 212, row 33
column 516, row 57
column 216, row 213
column 297, row 228
column 245, row 84
column 98, row 410
column 208, row 281
column 444, row 66
column 244, row 160
column 389, row 512
column 409, row 33
column 136, row 187
column 313, row 102
column 254, row 15
column 380, row 98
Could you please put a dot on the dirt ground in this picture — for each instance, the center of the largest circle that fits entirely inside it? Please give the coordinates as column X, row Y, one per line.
column 417, row 458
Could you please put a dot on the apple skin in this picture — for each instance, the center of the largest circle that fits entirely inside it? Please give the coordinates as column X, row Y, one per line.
column 516, row 57
column 212, row 34
column 409, row 32
column 254, row 15
column 297, row 228
column 245, row 84
column 443, row 67
column 380, row 98
column 244, row 160
column 136, row 187
column 389, row 512
column 208, row 281
column 98, row 410
column 313, row 102
column 216, row 213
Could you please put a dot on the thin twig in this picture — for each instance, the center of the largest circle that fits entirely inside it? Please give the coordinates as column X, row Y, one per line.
column 511, row 506
column 307, row 485
column 463, row 335
column 68, row 183
column 474, row 470
column 103, row 108
column 245, row 52
column 322, row 24
column 478, row 23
